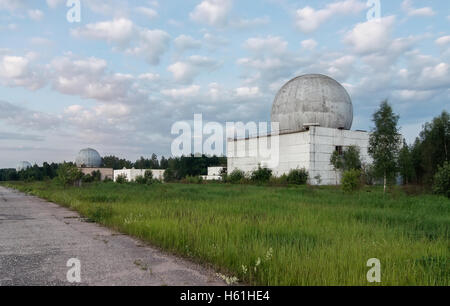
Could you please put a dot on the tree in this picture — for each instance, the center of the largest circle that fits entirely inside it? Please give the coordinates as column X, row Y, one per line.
column 68, row 174
column 261, row 175
column 405, row 164
column 384, row 142
column 431, row 148
column 116, row 163
column 442, row 180
column 349, row 160
column 154, row 162
column 164, row 164
column 336, row 161
column 351, row 180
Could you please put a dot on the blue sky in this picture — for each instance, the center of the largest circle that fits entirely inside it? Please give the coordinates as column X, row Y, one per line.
column 120, row 78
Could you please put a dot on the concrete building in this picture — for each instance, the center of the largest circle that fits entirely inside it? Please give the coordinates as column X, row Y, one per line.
column 132, row 174
column 315, row 114
column 105, row 173
column 214, row 174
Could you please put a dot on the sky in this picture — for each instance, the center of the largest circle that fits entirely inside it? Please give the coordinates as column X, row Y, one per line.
column 118, row 79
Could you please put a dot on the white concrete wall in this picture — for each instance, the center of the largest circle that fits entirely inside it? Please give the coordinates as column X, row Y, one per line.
column 309, row 149
column 214, row 171
column 323, row 144
column 132, row 174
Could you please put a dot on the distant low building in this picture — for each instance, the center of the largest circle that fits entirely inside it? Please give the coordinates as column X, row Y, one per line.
column 132, row 174
column 214, row 174
column 105, row 173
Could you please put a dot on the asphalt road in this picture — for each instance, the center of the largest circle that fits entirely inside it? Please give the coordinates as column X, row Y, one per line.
column 37, row 239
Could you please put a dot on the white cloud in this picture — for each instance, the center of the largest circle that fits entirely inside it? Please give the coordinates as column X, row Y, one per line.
column 371, row 36
column 407, row 6
column 151, row 45
column 88, row 78
column 17, row 71
column 149, row 12
column 272, row 44
column 212, row 12
column 248, row 92
column 444, row 40
column 309, row 44
column 11, row 5
column 186, row 71
column 13, row 66
column 413, row 95
column 119, row 31
column 36, row 15
column 149, row 77
column 185, row 42
column 250, row 23
column 129, row 38
column 308, row 19
column 185, row 92
column 54, row 3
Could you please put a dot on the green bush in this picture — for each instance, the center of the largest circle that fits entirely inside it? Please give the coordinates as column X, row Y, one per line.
column 261, row 175
column 68, row 174
column 121, row 179
column 87, row 178
column 192, row 180
column 236, row 176
column 442, row 180
column 279, row 181
column 169, row 175
column 140, row 180
column 297, row 176
column 148, row 176
column 351, row 180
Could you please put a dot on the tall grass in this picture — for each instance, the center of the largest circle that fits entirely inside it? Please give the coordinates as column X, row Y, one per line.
column 277, row 235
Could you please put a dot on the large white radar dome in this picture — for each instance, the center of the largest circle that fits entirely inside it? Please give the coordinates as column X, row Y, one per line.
column 88, row 158
column 312, row 99
column 23, row 165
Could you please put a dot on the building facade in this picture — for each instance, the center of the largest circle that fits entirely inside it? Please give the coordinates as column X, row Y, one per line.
column 311, row 150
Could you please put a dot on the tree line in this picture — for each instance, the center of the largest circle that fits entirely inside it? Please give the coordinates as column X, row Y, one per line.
column 178, row 167
column 425, row 162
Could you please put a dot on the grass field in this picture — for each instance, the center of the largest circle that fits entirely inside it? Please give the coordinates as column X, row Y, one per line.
column 277, row 235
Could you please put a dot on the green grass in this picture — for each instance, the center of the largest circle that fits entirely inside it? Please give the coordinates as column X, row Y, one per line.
column 318, row 236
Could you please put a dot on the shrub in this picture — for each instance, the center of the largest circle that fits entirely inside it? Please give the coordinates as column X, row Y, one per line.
column 236, row 176
column 279, row 181
column 68, row 174
column 192, row 180
column 87, row 178
column 261, row 175
column 140, row 180
column 351, row 180
column 121, row 179
column 148, row 176
column 442, row 180
column 297, row 176
column 96, row 175
column 224, row 175
column 169, row 175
